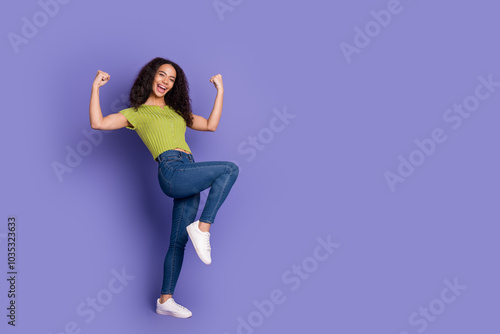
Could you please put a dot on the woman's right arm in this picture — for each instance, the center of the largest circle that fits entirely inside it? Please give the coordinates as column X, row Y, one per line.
column 110, row 122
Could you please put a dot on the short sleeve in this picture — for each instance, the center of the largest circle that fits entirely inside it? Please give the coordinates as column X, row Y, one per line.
column 131, row 116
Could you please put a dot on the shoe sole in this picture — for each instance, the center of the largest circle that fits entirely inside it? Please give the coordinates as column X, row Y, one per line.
column 172, row 314
column 188, row 228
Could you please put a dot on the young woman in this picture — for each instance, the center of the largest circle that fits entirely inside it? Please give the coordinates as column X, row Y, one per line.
column 159, row 112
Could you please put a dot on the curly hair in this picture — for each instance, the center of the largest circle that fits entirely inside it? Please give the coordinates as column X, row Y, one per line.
column 177, row 98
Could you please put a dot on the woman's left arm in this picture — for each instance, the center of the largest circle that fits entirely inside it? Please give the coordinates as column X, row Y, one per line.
column 202, row 124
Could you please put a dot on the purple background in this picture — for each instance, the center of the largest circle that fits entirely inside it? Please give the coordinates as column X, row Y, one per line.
column 321, row 175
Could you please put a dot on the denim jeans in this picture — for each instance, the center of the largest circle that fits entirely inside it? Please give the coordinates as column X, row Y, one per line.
column 182, row 179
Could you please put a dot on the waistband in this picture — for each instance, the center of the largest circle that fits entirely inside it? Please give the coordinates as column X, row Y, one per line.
column 177, row 153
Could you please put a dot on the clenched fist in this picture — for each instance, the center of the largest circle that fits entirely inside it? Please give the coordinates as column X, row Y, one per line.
column 101, row 78
column 217, row 81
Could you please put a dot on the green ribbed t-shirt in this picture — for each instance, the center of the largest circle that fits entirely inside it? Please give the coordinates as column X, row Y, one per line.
column 160, row 129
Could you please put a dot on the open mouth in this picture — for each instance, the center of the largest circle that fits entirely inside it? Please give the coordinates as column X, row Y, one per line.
column 161, row 89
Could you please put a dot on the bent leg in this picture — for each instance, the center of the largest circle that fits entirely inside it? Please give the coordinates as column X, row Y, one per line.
column 195, row 177
column 218, row 193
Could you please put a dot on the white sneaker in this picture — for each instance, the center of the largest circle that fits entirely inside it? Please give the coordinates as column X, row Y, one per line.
column 170, row 307
column 201, row 242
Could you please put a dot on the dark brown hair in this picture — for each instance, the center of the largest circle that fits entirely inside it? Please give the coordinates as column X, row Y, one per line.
column 177, row 98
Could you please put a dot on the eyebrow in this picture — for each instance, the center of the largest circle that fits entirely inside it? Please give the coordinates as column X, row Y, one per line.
column 167, row 75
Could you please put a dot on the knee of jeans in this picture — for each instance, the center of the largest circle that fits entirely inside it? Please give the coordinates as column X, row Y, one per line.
column 234, row 168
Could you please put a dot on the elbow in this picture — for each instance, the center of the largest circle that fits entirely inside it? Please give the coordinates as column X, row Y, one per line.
column 95, row 126
column 211, row 128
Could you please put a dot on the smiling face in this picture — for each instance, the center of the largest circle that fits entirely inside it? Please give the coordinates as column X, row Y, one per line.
column 164, row 80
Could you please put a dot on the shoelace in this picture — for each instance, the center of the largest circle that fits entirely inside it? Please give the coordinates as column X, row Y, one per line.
column 208, row 241
column 177, row 305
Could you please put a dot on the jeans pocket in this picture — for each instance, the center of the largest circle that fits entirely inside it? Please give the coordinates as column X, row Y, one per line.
column 172, row 158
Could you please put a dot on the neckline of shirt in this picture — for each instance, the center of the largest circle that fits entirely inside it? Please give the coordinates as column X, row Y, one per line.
column 153, row 105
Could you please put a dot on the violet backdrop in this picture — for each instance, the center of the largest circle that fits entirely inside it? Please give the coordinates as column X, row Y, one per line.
column 365, row 133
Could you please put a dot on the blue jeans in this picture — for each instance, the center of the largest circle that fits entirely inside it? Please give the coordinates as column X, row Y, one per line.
column 182, row 179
